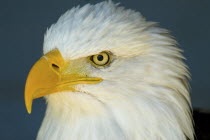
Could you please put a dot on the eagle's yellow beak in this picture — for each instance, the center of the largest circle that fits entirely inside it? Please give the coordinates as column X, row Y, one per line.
column 48, row 75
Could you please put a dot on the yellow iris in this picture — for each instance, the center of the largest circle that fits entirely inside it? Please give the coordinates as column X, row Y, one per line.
column 100, row 60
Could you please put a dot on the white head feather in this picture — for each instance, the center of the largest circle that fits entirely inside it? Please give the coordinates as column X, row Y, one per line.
column 144, row 94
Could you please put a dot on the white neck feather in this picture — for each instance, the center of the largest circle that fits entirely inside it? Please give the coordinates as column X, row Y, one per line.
column 130, row 119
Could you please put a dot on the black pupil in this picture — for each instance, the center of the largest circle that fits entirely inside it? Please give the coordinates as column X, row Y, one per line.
column 100, row 57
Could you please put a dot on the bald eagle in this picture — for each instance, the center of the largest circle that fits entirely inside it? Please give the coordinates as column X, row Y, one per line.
column 108, row 74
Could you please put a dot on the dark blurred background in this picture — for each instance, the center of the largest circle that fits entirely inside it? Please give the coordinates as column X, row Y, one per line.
column 24, row 22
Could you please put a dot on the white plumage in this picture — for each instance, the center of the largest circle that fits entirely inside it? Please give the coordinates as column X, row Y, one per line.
column 144, row 93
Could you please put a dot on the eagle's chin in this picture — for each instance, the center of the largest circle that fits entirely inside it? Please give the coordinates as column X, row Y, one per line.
column 77, row 116
column 82, row 116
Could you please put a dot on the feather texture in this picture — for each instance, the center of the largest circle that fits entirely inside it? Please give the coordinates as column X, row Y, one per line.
column 145, row 92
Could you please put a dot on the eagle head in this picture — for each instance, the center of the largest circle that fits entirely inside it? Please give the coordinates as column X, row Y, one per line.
column 108, row 74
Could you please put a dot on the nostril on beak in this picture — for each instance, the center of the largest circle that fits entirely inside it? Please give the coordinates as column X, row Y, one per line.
column 55, row 67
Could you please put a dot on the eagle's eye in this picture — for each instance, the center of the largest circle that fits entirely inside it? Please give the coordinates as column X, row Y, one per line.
column 100, row 60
